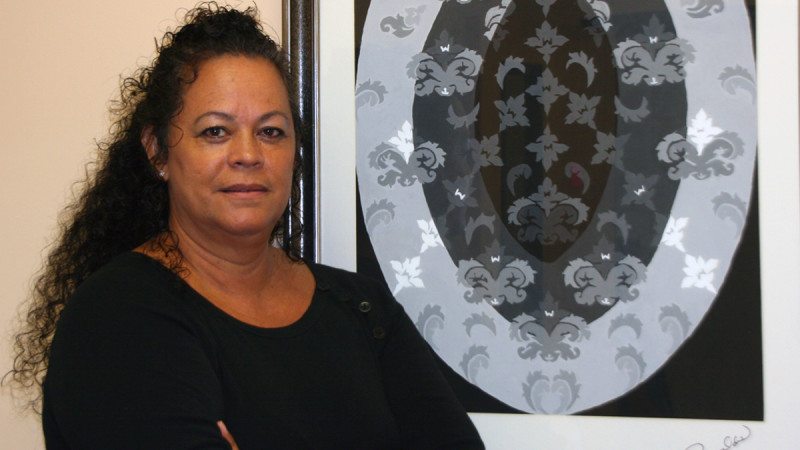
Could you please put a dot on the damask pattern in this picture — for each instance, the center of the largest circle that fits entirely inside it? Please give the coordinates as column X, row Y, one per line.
column 555, row 188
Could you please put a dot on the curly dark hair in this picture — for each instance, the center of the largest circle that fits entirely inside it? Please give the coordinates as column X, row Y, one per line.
column 124, row 203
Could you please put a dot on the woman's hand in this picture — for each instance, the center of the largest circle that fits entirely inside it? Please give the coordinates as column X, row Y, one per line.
column 227, row 435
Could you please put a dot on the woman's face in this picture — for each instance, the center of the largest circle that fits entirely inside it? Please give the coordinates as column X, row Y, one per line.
column 231, row 150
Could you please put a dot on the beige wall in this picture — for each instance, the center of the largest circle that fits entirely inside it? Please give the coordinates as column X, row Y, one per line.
column 60, row 68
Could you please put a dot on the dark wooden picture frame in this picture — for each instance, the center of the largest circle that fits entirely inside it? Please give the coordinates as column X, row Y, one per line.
column 300, row 40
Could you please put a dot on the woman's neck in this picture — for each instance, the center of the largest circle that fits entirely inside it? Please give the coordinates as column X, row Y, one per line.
column 240, row 265
column 244, row 276
column 260, row 288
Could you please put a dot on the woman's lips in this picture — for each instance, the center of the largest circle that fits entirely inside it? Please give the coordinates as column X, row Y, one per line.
column 244, row 190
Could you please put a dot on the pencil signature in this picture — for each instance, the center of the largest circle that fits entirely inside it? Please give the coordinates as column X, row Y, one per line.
column 728, row 442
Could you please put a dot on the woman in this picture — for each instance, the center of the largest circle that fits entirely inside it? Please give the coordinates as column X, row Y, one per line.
column 170, row 314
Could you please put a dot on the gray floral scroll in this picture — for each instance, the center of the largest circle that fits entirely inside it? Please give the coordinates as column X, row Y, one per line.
column 555, row 189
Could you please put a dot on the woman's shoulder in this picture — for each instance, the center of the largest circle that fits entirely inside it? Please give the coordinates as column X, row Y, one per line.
column 355, row 288
column 129, row 302
column 129, row 282
column 329, row 277
column 128, row 272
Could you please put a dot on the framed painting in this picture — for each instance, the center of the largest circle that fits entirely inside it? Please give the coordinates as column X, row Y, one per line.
column 564, row 196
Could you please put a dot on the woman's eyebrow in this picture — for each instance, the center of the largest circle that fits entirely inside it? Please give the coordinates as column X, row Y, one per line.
column 220, row 114
column 272, row 114
column 231, row 117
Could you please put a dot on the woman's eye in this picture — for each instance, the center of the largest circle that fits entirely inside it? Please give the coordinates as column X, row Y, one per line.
column 215, row 132
column 272, row 133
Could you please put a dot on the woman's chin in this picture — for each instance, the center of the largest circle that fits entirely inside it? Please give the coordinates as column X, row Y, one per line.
column 247, row 228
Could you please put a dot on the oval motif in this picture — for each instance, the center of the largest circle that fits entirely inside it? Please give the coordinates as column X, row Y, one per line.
column 563, row 183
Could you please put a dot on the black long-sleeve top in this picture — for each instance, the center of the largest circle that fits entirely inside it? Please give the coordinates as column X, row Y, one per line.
column 141, row 360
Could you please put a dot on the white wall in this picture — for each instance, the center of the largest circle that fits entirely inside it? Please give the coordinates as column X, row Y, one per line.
column 61, row 67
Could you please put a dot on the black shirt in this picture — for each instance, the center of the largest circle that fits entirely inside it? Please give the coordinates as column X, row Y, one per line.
column 141, row 360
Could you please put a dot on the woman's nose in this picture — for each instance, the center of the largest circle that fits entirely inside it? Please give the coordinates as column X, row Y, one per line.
column 245, row 152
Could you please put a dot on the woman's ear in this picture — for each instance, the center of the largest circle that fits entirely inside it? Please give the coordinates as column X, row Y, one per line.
column 150, row 144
